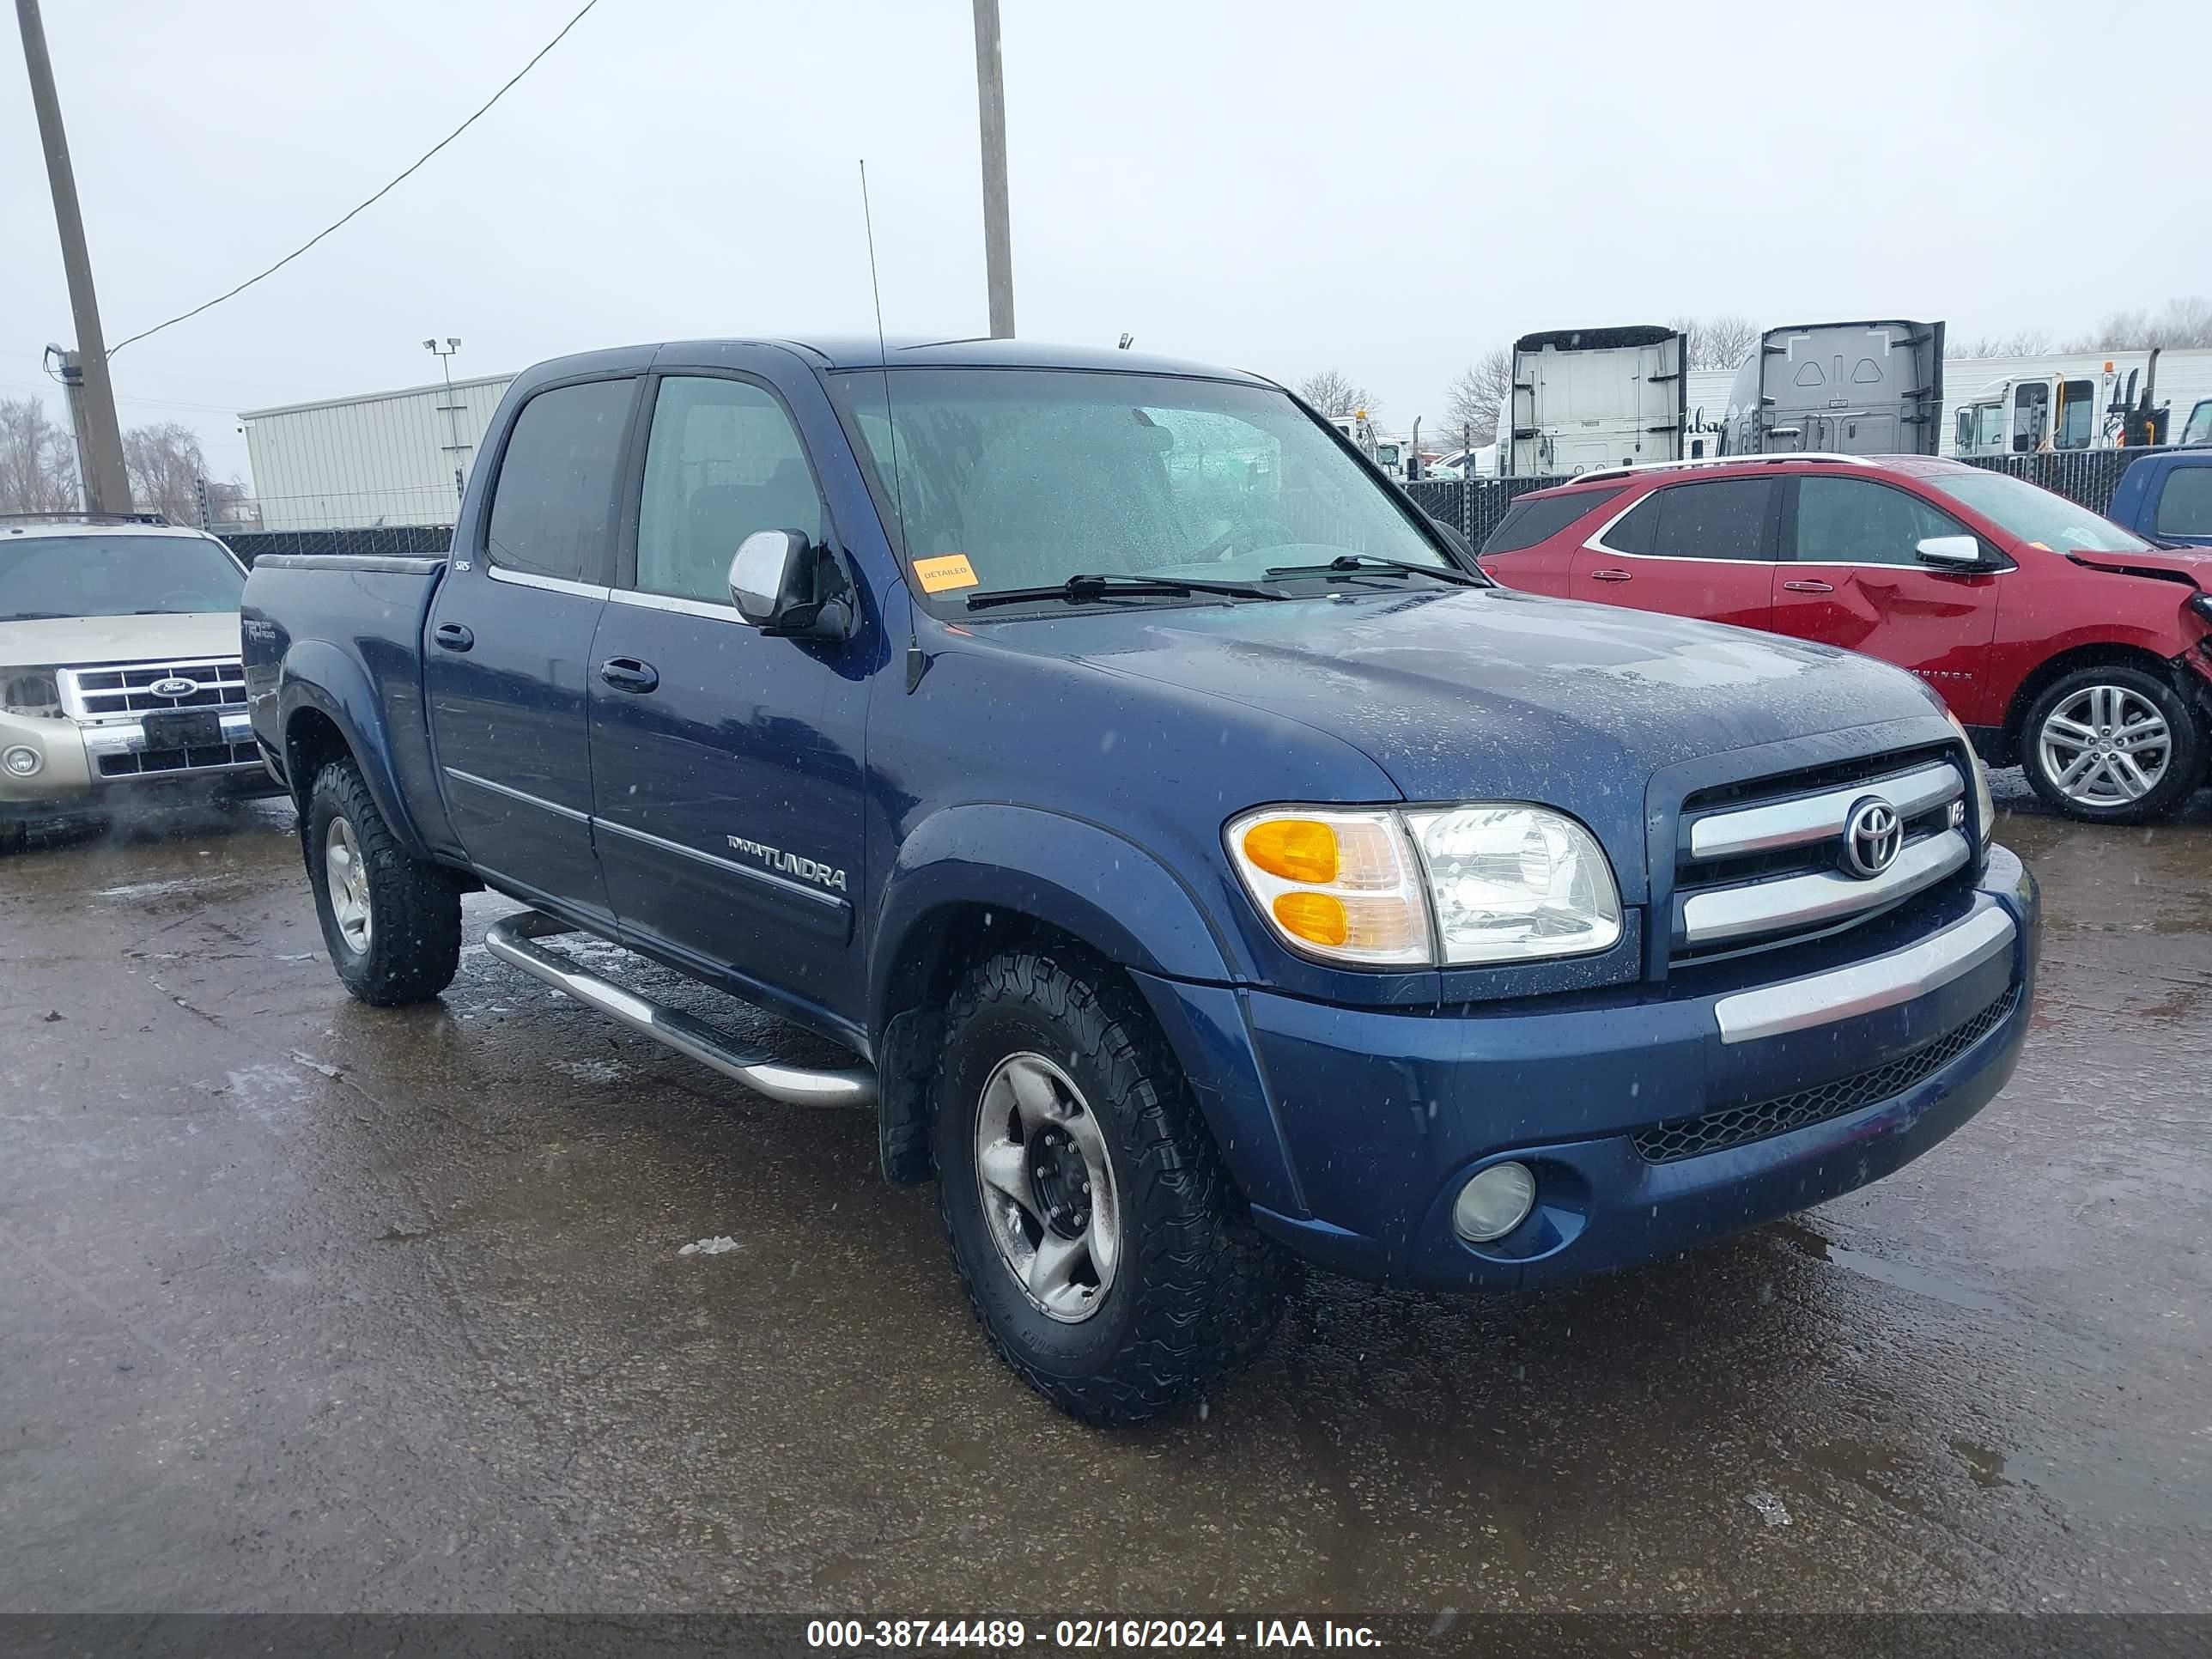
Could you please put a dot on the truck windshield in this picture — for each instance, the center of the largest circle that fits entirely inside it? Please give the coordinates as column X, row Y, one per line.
column 1021, row 478
column 2036, row 515
column 50, row 576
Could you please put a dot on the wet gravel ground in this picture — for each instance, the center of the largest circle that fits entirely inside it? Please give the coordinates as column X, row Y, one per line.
column 309, row 1306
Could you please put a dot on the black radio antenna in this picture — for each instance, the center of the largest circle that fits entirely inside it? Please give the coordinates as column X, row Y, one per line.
column 917, row 663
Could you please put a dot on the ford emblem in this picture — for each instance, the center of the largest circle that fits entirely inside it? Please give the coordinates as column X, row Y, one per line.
column 176, row 685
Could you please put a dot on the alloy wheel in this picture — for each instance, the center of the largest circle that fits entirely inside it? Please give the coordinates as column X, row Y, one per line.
column 347, row 875
column 2106, row 746
column 1046, row 1186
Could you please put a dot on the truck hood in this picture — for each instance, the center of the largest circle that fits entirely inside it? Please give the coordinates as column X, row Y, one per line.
column 2159, row 564
column 74, row 641
column 1465, row 693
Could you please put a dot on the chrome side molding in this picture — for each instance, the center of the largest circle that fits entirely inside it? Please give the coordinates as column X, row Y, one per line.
column 1865, row 987
column 512, row 940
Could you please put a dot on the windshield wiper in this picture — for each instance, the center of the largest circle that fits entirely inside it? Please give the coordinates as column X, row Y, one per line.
column 1368, row 564
column 1091, row 588
column 38, row 616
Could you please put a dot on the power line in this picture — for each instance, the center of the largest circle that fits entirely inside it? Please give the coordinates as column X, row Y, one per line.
column 372, row 201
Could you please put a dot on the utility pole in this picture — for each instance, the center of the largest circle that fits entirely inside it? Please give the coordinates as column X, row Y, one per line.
column 991, row 108
column 100, row 447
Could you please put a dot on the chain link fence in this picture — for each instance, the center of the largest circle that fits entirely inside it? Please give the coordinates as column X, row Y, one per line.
column 402, row 538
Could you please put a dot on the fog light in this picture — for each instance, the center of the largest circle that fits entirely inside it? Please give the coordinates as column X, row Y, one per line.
column 1495, row 1203
column 23, row 763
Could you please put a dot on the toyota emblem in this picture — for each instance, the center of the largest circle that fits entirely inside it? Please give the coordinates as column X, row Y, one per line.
column 1873, row 837
column 175, row 686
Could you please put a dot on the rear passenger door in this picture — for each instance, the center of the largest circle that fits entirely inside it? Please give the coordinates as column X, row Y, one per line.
column 506, row 667
column 1529, row 550
column 727, row 763
column 1853, row 578
column 1701, row 549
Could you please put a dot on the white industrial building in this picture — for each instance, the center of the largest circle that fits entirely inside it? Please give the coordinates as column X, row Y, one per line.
column 387, row 458
column 390, row 458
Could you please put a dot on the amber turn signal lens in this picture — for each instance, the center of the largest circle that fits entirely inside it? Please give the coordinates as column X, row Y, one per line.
column 1318, row 918
column 1297, row 849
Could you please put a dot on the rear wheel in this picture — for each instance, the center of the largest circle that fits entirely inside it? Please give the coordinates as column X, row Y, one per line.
column 392, row 922
column 1103, row 1245
column 2114, row 745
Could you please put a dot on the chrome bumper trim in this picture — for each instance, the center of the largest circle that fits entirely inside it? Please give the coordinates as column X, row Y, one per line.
column 129, row 738
column 1803, row 902
column 1820, row 818
column 1865, row 987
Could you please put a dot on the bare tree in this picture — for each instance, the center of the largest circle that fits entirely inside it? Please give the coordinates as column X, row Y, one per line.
column 2020, row 343
column 165, row 466
column 1475, row 394
column 1337, row 395
column 2181, row 323
column 38, row 462
column 1718, row 342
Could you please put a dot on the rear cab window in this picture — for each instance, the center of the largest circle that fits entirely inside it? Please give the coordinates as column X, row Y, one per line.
column 554, row 499
column 1528, row 522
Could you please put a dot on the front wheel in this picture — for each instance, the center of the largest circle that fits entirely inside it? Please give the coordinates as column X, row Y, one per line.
column 1103, row 1245
column 2114, row 745
column 392, row 922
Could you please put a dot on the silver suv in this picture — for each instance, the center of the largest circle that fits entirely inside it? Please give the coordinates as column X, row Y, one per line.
column 120, row 677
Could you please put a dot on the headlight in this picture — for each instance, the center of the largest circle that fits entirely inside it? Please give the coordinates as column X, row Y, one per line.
column 1986, row 809
column 1428, row 886
column 30, row 691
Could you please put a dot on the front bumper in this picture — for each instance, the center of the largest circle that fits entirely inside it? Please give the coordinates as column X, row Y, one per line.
column 89, row 770
column 1380, row 1117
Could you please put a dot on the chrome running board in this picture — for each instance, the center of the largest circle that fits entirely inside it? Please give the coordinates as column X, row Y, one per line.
column 512, row 940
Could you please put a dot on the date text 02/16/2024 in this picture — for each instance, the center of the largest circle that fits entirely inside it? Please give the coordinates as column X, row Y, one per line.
column 1084, row 1634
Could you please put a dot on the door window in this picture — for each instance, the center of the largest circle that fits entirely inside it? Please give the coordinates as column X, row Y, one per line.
column 723, row 462
column 2031, row 413
column 2185, row 508
column 1725, row 518
column 554, row 498
column 2077, row 414
column 1849, row 521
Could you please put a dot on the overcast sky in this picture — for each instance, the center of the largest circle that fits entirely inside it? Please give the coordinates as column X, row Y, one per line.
column 1286, row 186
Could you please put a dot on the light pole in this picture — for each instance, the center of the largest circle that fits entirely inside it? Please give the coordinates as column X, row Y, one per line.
column 92, row 398
column 456, row 448
column 991, row 109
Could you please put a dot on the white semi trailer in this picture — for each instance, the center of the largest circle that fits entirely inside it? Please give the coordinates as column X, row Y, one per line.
column 1588, row 398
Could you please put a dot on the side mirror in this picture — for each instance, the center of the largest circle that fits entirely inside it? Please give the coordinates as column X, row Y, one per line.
column 1954, row 552
column 777, row 582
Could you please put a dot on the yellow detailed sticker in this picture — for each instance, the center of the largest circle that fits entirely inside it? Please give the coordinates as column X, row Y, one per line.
column 939, row 575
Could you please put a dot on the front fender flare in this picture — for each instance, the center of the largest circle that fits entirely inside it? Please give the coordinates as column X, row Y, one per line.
column 1066, row 871
column 317, row 674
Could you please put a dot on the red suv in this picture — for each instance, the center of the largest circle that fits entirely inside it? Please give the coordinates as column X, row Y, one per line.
column 2063, row 643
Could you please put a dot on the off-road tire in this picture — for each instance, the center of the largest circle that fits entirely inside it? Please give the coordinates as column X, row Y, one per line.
column 1197, row 1290
column 415, row 946
column 2184, row 769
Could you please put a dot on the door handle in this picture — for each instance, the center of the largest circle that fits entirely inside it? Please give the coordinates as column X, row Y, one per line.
column 1808, row 587
column 1609, row 575
column 628, row 674
column 453, row 636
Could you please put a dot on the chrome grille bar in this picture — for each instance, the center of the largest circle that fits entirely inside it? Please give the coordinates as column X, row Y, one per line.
column 1820, row 818
column 1798, row 904
column 123, row 691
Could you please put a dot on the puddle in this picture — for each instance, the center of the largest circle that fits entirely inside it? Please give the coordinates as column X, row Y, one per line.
column 1985, row 1466
column 1806, row 1242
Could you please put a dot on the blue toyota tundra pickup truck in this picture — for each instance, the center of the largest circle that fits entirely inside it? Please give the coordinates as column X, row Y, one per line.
column 1203, row 865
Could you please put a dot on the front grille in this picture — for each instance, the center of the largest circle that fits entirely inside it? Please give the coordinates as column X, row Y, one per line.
column 142, row 761
column 105, row 694
column 1757, row 863
column 1714, row 1132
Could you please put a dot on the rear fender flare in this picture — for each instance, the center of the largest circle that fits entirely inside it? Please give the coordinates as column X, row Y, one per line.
column 317, row 676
